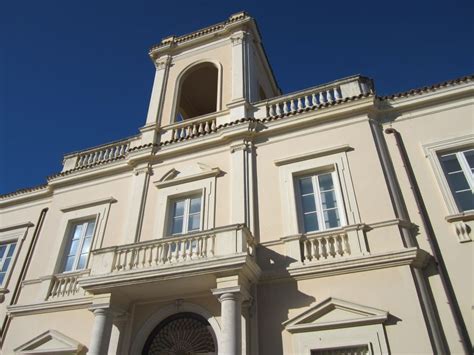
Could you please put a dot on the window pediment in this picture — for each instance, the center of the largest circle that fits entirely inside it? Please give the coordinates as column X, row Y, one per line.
column 334, row 313
column 194, row 172
column 51, row 342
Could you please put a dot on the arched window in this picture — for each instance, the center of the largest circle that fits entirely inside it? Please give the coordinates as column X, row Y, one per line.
column 181, row 334
column 198, row 92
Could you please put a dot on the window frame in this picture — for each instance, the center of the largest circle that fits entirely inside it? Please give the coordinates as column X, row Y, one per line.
column 13, row 234
column 433, row 151
column 466, row 171
column 8, row 243
column 324, row 160
column 69, row 235
column 318, row 202
column 186, row 213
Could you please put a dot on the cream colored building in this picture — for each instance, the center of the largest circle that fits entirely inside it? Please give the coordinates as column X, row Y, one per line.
column 243, row 221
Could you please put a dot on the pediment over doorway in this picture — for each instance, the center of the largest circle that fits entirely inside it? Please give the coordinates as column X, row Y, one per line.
column 51, row 342
column 334, row 313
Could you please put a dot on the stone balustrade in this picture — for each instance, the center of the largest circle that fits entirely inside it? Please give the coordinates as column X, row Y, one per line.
column 65, row 285
column 325, row 247
column 95, row 155
column 291, row 104
column 190, row 128
column 314, row 97
column 167, row 252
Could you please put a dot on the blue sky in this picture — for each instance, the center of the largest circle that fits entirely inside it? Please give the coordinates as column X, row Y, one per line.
column 74, row 74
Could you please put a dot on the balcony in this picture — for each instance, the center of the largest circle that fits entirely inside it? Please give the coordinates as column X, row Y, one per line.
column 205, row 253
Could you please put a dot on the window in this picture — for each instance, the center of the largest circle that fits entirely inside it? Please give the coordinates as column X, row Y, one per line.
column 186, row 215
column 458, row 168
column 7, row 251
column 80, row 240
column 320, row 202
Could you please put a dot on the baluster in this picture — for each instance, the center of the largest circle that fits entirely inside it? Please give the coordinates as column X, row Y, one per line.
column 306, row 101
column 271, row 110
column 174, row 255
column 278, row 109
column 347, row 247
column 143, row 263
column 337, row 94
column 292, row 105
column 54, row 289
column 307, row 250
column 101, row 155
column 322, row 248
column 329, row 95
column 330, row 246
column 182, row 250
column 207, row 127
column 201, row 127
column 321, row 98
column 314, row 251
column 199, row 247
column 317, row 249
column 300, row 103
column 213, row 124
column 314, row 99
column 285, row 107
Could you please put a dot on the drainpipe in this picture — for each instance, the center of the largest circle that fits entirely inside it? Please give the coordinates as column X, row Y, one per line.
column 435, row 331
column 435, row 249
column 21, row 278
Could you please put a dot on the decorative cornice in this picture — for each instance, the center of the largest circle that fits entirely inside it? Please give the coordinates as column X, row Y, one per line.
column 313, row 154
column 16, row 226
column 427, row 89
column 88, row 204
column 49, row 306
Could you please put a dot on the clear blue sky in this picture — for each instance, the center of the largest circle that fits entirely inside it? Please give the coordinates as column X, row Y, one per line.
column 74, row 74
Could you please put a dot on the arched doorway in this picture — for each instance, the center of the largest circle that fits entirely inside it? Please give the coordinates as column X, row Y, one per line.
column 183, row 333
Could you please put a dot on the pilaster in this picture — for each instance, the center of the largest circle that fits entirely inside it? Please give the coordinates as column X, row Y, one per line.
column 162, row 65
column 138, row 193
column 240, row 74
column 243, row 186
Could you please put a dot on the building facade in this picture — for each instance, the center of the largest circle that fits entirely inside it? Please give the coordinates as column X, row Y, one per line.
column 243, row 221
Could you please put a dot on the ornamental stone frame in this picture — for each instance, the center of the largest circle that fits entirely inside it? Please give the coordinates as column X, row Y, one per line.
column 178, row 307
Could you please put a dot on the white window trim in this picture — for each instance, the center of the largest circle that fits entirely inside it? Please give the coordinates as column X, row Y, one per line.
column 79, row 247
column 433, row 151
column 98, row 210
column 186, row 214
column 331, row 159
column 10, row 234
column 171, row 187
column 318, row 202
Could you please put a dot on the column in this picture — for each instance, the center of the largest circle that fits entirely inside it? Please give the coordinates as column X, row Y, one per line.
column 231, row 342
column 162, row 65
column 99, row 344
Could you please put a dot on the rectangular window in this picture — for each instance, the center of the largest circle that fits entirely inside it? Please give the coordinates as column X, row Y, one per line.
column 186, row 215
column 458, row 169
column 80, row 240
column 7, row 251
column 320, row 203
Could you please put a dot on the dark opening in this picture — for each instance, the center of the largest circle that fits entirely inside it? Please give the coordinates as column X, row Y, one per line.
column 198, row 92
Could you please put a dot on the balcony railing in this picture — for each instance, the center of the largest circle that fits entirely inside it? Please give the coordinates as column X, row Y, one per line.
column 325, row 247
column 103, row 153
column 190, row 128
column 167, row 252
column 313, row 97
column 65, row 285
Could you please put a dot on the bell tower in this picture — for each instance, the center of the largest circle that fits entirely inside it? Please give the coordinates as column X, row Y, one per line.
column 211, row 75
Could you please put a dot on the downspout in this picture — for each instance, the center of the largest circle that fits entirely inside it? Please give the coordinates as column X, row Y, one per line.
column 435, row 331
column 21, row 278
column 431, row 236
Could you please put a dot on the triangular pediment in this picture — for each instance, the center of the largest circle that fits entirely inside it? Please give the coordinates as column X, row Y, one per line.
column 188, row 173
column 334, row 313
column 51, row 342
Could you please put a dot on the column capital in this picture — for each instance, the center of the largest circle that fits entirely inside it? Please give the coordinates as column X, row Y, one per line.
column 239, row 37
column 234, row 293
column 163, row 62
